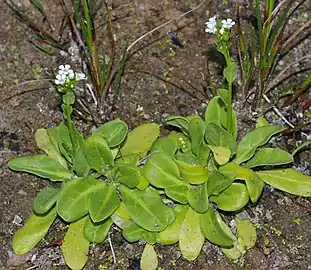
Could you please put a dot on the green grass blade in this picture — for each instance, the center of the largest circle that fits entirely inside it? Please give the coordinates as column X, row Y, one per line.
column 119, row 73
column 46, row 49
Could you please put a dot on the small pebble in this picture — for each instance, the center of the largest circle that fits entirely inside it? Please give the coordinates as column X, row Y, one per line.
column 17, row 220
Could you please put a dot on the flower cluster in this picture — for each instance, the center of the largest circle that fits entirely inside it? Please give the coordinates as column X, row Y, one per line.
column 212, row 25
column 221, row 28
column 67, row 77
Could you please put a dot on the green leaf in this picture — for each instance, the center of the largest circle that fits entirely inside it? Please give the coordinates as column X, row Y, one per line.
column 97, row 153
column 177, row 193
column 204, row 154
column 217, row 136
column 224, row 94
column 246, row 235
column 97, row 232
column 171, row 234
column 74, row 198
column 232, row 253
column 261, row 121
column 254, row 139
column 40, row 165
column 128, row 175
column 197, row 197
column 221, row 154
column 178, row 121
column 121, row 217
column 140, row 140
column 215, row 229
column 69, row 98
column 80, row 163
column 230, row 72
column 215, row 111
column 35, row 228
column 114, row 131
column 196, row 132
column 75, row 247
column 103, row 202
column 150, row 237
column 233, row 198
column 236, row 171
column 191, row 238
column 147, row 209
column 128, row 159
column 60, row 138
column 193, row 174
column 217, row 182
column 187, row 157
column 161, row 171
column 181, row 140
column 133, row 232
column 44, row 142
column 149, row 258
column 143, row 182
column 253, row 183
column 269, row 157
column 287, row 180
column 165, row 145
column 45, row 200
column 255, row 187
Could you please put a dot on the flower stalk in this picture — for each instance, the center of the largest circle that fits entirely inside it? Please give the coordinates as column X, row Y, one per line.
column 221, row 28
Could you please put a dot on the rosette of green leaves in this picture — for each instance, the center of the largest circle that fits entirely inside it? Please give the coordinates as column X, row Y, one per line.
column 201, row 163
column 94, row 179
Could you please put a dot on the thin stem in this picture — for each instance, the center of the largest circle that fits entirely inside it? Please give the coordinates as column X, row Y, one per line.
column 229, row 113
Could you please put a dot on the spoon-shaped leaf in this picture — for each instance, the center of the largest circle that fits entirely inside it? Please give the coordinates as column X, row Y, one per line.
column 197, row 197
column 269, row 157
column 217, row 182
column 41, row 165
column 191, row 238
column 196, row 132
column 171, row 234
column 233, row 198
column 177, row 193
column 44, row 142
column 103, row 202
column 45, row 200
column 140, row 140
column 74, row 198
column 215, row 229
column 287, row 180
column 97, row 232
column 149, row 258
column 147, row 209
column 97, row 153
column 35, row 228
column 252, row 140
column 161, row 171
column 165, row 145
column 114, row 131
column 75, row 246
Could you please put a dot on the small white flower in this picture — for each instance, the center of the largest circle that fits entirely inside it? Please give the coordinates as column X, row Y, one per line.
column 65, row 69
column 211, row 25
column 71, row 75
column 227, row 23
column 60, row 79
column 222, row 30
column 80, row 76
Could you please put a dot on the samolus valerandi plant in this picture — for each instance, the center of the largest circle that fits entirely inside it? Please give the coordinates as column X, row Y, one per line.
column 160, row 190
